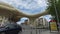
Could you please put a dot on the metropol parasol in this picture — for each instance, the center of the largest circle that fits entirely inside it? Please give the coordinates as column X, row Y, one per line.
column 8, row 11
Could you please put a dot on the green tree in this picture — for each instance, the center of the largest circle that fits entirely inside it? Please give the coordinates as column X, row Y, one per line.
column 54, row 7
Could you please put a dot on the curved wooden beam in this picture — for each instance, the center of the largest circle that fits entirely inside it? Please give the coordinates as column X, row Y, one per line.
column 7, row 8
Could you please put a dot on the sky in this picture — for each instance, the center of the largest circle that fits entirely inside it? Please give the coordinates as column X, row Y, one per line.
column 30, row 7
column 47, row 17
column 22, row 20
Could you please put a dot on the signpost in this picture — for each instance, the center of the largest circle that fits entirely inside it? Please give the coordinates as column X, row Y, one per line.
column 53, row 25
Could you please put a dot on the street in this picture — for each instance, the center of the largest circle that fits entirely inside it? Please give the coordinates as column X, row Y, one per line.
column 38, row 31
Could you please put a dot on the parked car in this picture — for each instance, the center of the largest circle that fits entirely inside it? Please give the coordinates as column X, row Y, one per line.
column 11, row 29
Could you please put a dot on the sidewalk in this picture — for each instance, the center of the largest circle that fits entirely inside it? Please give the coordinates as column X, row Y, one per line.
column 38, row 32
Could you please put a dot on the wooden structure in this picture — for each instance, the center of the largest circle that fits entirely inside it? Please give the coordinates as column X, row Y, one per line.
column 8, row 11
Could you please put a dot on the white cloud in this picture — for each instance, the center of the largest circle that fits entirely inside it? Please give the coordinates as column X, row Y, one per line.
column 22, row 20
column 29, row 5
column 47, row 17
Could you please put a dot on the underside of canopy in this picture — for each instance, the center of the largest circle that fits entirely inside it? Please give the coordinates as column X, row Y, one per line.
column 8, row 10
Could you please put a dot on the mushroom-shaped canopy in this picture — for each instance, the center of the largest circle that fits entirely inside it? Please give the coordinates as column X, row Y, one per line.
column 9, row 11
